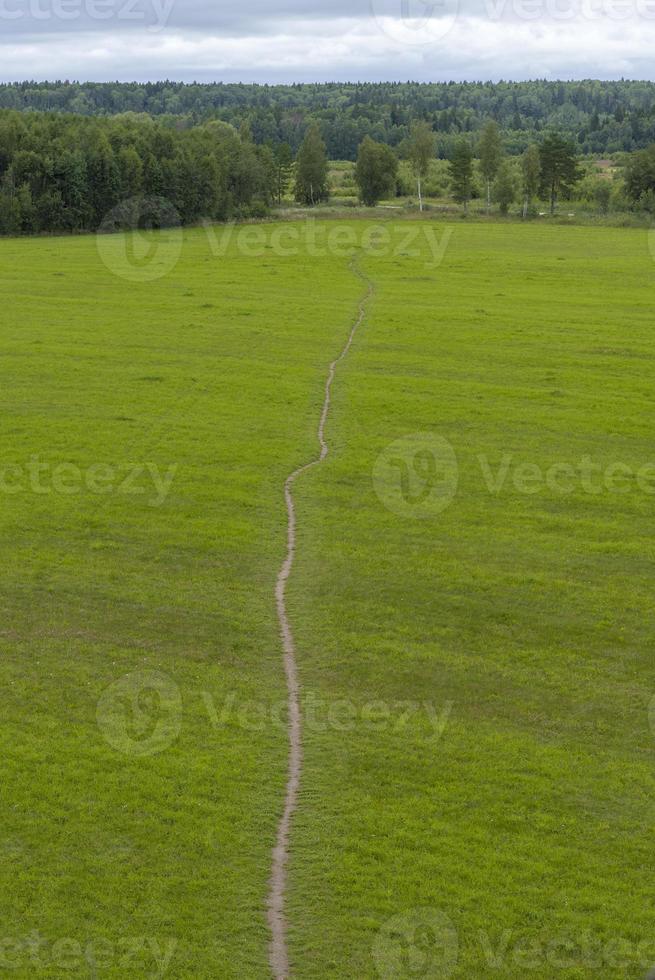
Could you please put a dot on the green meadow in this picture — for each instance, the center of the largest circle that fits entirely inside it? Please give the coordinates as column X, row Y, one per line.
column 471, row 600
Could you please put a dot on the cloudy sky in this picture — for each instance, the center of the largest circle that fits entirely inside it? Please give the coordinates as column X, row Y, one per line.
column 321, row 40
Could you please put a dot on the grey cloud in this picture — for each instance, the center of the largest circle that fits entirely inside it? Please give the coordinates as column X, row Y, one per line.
column 298, row 41
column 31, row 18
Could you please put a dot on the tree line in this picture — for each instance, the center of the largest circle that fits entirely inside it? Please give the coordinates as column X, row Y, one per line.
column 599, row 117
column 67, row 173
column 547, row 170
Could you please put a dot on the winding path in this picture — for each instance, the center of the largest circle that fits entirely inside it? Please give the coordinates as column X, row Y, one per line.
column 278, row 953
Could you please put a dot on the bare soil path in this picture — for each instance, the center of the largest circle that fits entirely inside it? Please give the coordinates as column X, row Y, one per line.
column 278, row 952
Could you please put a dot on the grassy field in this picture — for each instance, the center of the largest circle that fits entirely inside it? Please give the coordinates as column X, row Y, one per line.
column 472, row 603
column 199, row 371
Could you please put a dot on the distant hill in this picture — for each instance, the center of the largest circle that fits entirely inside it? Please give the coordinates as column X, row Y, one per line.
column 602, row 117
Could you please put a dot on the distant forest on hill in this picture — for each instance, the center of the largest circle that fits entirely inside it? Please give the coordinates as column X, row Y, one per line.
column 599, row 117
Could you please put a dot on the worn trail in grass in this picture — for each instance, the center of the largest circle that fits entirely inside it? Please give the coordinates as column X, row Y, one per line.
column 475, row 685
column 521, row 620
column 279, row 955
column 216, row 369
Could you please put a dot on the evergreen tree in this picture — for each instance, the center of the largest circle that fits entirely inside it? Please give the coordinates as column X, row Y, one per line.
column 559, row 167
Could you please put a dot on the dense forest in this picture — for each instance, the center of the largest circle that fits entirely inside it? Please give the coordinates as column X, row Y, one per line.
column 599, row 117
column 72, row 172
column 67, row 173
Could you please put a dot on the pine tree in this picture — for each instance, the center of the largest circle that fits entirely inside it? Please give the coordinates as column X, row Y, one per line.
column 559, row 167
